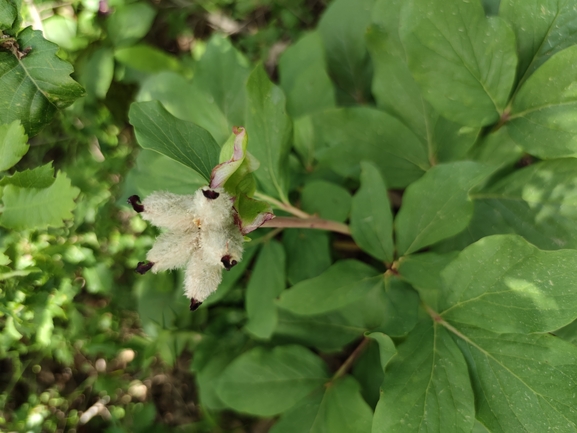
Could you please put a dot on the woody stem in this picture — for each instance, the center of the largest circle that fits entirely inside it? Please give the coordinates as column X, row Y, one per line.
column 308, row 223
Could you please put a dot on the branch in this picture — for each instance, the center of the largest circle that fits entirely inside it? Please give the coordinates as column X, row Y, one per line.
column 308, row 223
column 287, row 207
column 351, row 359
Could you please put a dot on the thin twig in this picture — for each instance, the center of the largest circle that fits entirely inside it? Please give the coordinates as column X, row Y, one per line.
column 308, row 223
column 351, row 359
column 287, row 207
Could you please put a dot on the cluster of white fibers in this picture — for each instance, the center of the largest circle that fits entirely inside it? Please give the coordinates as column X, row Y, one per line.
column 201, row 236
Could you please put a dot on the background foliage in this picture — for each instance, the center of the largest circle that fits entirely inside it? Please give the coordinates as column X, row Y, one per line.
column 439, row 131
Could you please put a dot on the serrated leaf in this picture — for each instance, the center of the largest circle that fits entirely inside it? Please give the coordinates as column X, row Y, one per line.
column 303, row 77
column 464, row 62
column 13, row 144
column 266, row 282
column 187, row 101
column 371, row 216
column 437, row 205
column 330, row 201
column 269, row 128
column 39, row 177
column 543, row 113
column 522, row 383
column 222, row 72
column 34, row 87
column 338, row 408
column 342, row 28
column 542, row 28
column 33, row 208
column 377, row 137
column 343, row 283
column 426, row 386
column 156, row 129
column 267, row 382
column 308, row 253
column 504, row 284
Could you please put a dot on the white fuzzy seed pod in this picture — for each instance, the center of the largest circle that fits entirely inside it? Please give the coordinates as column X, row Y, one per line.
column 172, row 250
column 170, row 211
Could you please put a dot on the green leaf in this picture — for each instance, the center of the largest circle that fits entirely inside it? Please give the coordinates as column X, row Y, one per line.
column 267, row 382
column 504, row 284
column 464, row 62
column 147, row 59
column 542, row 28
column 543, row 113
column 308, row 253
column 343, row 283
column 63, row 31
column 266, row 282
column 496, row 148
column 212, row 355
column 369, row 367
column 34, row 87
column 13, row 144
column 129, row 23
column 328, row 200
column 156, row 172
column 97, row 73
column 437, row 205
column 303, row 77
column 328, row 332
column 337, row 408
column 401, row 307
column 371, row 216
column 342, row 28
column 222, row 72
column 387, row 348
column 423, row 272
column 377, row 137
column 269, row 129
column 522, row 383
column 187, row 102
column 156, row 129
column 538, row 202
column 39, row 177
column 8, row 14
column 426, row 386
column 397, row 93
column 33, row 208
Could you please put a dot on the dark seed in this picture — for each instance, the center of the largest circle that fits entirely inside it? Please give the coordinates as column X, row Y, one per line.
column 134, row 201
column 210, row 194
column 194, row 304
column 228, row 263
column 143, row 267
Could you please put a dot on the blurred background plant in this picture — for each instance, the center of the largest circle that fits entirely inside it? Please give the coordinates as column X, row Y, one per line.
column 84, row 346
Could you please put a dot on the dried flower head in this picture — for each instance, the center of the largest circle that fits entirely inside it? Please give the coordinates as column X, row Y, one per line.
column 201, row 236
